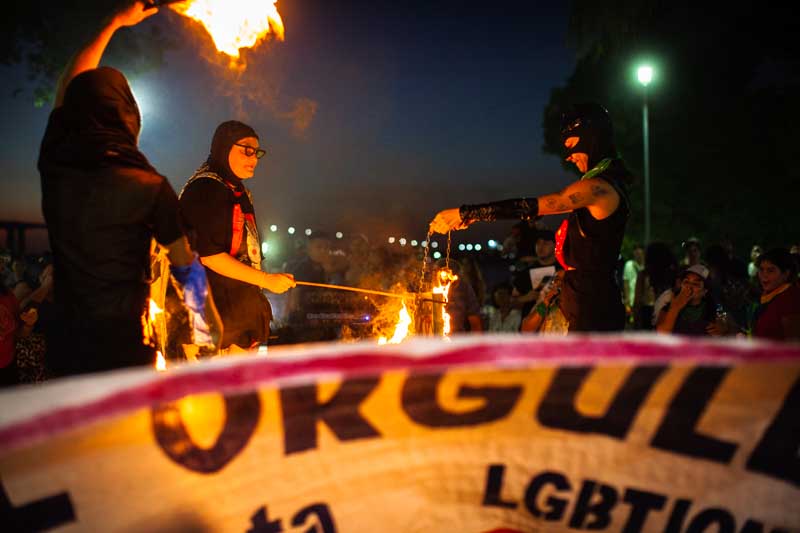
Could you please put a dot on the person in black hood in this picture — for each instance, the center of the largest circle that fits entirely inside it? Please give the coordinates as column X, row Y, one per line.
column 103, row 203
column 589, row 241
column 218, row 211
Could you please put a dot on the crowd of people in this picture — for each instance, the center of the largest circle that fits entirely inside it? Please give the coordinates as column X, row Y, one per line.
column 118, row 230
column 682, row 287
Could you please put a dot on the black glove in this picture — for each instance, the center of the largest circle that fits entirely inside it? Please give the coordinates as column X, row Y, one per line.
column 517, row 208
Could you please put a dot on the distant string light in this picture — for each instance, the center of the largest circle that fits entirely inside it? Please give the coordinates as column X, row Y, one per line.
column 273, row 228
column 339, row 234
column 290, row 230
column 308, row 231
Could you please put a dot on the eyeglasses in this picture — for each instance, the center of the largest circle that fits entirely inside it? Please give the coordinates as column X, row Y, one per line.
column 249, row 151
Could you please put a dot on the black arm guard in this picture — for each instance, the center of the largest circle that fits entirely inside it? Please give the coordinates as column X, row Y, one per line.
column 523, row 208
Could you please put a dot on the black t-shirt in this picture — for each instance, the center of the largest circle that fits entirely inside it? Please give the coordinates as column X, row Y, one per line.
column 100, row 225
column 207, row 207
column 103, row 204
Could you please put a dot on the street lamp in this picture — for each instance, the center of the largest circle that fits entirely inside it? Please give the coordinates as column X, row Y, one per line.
column 645, row 75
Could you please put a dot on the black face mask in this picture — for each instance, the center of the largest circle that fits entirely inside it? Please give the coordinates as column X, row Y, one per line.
column 591, row 124
column 226, row 135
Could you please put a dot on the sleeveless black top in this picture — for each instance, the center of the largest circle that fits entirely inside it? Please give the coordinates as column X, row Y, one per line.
column 591, row 299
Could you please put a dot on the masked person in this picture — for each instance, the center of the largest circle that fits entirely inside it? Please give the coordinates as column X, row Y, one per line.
column 218, row 210
column 588, row 242
column 103, row 203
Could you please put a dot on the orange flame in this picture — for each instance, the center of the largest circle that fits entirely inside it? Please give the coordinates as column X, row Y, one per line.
column 234, row 24
column 154, row 310
column 148, row 331
column 161, row 363
column 445, row 278
column 401, row 329
column 148, row 322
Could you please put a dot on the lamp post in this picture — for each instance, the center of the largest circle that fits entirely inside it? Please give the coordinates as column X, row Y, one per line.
column 645, row 75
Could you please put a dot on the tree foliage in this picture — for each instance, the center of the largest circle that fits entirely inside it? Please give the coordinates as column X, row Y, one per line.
column 722, row 112
column 43, row 35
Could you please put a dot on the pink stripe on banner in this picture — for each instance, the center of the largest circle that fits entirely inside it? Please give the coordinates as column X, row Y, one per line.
column 249, row 373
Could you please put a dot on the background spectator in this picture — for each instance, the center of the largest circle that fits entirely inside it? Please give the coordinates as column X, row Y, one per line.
column 501, row 317
column 777, row 313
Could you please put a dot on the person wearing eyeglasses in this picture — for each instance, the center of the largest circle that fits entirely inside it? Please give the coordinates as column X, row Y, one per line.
column 219, row 215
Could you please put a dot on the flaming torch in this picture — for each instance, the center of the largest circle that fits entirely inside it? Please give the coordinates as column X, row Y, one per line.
column 232, row 24
column 445, row 277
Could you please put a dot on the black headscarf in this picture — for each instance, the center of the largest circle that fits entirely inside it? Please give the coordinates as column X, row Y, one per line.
column 225, row 136
column 97, row 126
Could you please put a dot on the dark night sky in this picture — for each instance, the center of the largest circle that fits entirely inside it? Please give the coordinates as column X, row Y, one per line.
column 418, row 107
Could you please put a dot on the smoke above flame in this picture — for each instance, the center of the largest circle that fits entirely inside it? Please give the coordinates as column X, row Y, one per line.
column 234, row 24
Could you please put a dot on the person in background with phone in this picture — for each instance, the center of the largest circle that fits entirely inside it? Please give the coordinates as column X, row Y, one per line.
column 525, row 295
column 692, row 311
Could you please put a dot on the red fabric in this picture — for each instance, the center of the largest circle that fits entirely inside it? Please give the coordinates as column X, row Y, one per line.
column 769, row 323
column 561, row 236
column 238, row 229
column 9, row 311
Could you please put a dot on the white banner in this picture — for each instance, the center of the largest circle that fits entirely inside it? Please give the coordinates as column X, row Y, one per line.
column 482, row 434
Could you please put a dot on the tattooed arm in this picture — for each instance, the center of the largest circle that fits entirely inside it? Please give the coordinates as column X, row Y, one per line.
column 595, row 194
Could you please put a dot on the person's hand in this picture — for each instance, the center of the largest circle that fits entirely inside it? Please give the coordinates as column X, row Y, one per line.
column 278, row 283
column 29, row 317
column 133, row 14
column 716, row 329
column 447, row 220
column 683, row 297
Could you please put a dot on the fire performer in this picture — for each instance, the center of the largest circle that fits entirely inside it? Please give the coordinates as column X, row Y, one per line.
column 218, row 209
column 103, row 203
column 588, row 242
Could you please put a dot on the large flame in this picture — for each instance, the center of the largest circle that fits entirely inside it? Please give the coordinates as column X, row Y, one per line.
column 445, row 278
column 234, row 24
column 401, row 329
